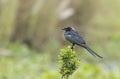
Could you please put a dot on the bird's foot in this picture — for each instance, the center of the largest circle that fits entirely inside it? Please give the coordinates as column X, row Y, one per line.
column 72, row 48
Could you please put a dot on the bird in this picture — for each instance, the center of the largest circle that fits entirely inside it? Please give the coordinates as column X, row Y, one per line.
column 75, row 38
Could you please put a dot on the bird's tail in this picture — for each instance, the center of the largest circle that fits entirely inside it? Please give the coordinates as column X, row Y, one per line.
column 91, row 51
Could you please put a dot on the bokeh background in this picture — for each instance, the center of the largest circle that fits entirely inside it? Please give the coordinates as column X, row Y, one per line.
column 31, row 37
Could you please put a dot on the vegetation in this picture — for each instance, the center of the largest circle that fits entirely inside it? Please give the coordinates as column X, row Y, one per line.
column 68, row 61
column 29, row 64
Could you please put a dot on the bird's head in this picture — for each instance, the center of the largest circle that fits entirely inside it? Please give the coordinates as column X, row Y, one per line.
column 67, row 29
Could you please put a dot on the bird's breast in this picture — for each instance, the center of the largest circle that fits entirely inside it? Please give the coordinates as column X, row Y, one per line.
column 67, row 34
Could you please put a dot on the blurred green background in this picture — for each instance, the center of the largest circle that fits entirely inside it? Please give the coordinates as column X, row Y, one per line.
column 31, row 37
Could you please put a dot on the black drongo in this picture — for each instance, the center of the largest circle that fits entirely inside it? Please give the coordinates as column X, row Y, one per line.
column 73, row 36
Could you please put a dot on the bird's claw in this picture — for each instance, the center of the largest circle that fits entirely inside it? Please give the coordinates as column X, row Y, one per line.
column 72, row 48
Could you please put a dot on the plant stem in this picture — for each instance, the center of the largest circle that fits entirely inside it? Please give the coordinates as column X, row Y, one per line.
column 61, row 77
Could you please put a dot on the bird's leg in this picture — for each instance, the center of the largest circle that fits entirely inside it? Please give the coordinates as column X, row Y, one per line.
column 72, row 46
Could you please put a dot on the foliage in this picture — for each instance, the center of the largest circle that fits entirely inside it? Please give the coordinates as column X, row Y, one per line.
column 28, row 64
column 68, row 61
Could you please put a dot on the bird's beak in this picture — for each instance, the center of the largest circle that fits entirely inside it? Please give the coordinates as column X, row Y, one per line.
column 63, row 29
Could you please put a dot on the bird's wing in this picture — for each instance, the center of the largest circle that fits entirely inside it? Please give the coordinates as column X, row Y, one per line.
column 76, row 38
column 79, row 40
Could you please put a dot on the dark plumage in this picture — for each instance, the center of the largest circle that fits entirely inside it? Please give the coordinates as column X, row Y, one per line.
column 73, row 36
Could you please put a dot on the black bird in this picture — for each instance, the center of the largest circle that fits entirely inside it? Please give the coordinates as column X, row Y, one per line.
column 73, row 36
